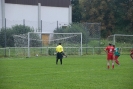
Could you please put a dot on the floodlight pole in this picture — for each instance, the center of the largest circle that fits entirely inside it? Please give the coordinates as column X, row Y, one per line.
column 3, row 12
column 39, row 17
column 28, row 44
column 114, row 39
column 81, row 45
column 5, row 37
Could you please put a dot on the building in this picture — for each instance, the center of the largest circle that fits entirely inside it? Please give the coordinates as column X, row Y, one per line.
column 42, row 15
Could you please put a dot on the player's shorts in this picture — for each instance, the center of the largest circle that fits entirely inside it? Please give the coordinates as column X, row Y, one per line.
column 116, row 57
column 59, row 55
column 110, row 57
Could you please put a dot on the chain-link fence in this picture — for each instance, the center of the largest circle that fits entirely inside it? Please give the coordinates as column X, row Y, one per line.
column 121, row 40
column 45, row 26
column 22, row 51
column 90, row 32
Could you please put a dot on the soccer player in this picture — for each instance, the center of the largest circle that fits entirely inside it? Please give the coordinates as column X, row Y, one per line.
column 110, row 53
column 131, row 53
column 116, row 55
column 59, row 50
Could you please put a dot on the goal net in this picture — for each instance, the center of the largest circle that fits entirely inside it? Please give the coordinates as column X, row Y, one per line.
column 122, row 41
column 39, row 43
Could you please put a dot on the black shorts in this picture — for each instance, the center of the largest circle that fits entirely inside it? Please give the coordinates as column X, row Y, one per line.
column 59, row 56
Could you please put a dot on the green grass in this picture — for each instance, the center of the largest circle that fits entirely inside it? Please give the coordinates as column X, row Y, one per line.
column 86, row 72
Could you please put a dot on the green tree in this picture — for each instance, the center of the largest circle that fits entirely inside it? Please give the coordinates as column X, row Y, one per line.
column 76, row 15
column 15, row 30
column 123, row 10
column 115, row 16
column 98, row 11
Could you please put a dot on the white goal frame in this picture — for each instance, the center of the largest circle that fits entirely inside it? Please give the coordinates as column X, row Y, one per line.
column 52, row 33
column 114, row 37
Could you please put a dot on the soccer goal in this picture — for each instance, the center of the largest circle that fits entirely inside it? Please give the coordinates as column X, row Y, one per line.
column 40, row 43
column 121, row 40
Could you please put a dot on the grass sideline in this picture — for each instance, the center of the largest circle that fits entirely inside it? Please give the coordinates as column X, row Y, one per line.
column 77, row 72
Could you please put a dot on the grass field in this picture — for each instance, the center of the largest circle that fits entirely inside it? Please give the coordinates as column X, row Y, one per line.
column 77, row 72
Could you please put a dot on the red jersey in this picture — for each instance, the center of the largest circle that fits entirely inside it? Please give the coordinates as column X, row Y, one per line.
column 110, row 49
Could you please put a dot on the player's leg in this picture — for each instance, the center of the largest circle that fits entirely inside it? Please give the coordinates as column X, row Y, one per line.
column 117, row 62
column 56, row 60
column 57, row 57
column 61, row 56
column 108, row 61
column 61, row 61
column 112, row 64
column 112, row 59
column 108, row 64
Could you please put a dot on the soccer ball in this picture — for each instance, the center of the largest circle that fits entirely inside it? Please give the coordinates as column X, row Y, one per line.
column 36, row 55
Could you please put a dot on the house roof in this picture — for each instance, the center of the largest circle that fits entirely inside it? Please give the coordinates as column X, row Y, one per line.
column 54, row 3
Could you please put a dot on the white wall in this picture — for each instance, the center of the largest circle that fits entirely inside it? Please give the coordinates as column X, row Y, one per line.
column 52, row 15
column 15, row 13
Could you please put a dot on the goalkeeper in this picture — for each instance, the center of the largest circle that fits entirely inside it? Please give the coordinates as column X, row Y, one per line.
column 59, row 55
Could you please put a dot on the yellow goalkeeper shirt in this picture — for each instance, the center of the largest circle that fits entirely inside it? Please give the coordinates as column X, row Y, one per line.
column 59, row 48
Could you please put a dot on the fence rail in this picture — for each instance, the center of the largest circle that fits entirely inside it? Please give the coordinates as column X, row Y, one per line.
column 46, row 51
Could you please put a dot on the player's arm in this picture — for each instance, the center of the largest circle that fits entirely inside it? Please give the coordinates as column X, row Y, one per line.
column 105, row 50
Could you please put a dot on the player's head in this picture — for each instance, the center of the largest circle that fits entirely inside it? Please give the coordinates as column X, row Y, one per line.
column 110, row 44
column 59, row 43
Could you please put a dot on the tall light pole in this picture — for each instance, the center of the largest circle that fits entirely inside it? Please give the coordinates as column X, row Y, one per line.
column 3, row 12
column 5, row 37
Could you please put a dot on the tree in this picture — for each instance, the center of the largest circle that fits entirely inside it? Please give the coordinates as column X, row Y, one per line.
column 115, row 16
column 76, row 15
column 15, row 30
column 123, row 10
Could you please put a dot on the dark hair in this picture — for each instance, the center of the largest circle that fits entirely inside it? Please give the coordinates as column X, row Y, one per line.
column 110, row 44
column 59, row 43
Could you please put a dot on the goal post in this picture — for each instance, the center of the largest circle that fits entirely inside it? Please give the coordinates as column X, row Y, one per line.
column 70, row 41
column 121, row 40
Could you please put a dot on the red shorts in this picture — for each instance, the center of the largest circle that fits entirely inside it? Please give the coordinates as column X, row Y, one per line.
column 116, row 57
column 110, row 57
